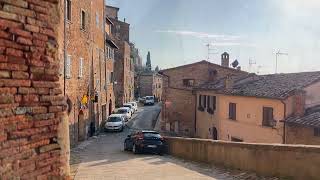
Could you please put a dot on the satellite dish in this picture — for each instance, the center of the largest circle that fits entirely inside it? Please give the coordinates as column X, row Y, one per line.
column 235, row 63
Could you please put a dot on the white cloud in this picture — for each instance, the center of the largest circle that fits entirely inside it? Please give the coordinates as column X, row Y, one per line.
column 243, row 44
column 222, row 37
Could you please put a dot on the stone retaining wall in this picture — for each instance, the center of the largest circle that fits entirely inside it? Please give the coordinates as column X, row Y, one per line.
column 291, row 161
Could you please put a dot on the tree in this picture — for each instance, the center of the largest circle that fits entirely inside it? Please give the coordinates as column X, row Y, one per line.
column 148, row 63
column 157, row 69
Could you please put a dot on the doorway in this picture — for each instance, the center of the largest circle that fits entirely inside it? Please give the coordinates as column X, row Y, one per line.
column 81, row 127
column 214, row 133
column 110, row 108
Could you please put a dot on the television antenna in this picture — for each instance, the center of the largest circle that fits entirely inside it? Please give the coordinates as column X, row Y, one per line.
column 251, row 62
column 211, row 50
column 279, row 54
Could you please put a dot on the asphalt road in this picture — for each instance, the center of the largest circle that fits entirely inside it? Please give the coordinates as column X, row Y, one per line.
column 103, row 158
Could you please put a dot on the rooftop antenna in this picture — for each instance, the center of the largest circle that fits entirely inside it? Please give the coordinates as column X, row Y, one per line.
column 259, row 67
column 211, row 51
column 251, row 62
column 279, row 54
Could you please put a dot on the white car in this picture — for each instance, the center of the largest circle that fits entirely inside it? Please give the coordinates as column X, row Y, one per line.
column 115, row 122
column 128, row 105
column 149, row 100
column 135, row 106
column 126, row 112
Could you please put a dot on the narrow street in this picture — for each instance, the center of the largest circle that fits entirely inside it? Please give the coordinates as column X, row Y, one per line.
column 103, row 158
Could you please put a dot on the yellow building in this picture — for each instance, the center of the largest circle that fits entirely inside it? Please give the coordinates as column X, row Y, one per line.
column 254, row 108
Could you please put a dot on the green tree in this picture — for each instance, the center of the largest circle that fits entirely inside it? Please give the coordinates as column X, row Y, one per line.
column 148, row 63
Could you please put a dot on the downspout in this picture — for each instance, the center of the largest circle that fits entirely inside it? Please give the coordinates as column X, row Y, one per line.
column 195, row 114
column 64, row 46
column 284, row 122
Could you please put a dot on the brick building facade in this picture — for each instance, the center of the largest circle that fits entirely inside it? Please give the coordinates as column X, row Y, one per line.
column 123, row 66
column 150, row 84
column 86, row 67
column 33, row 128
column 178, row 111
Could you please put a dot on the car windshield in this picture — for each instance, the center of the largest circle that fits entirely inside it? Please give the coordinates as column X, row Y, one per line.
column 114, row 119
column 149, row 98
column 129, row 106
column 152, row 135
column 122, row 111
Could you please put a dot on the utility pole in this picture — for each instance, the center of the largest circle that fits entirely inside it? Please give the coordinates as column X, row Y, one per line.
column 279, row 54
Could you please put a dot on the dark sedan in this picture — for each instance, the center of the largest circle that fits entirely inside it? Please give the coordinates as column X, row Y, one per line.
column 144, row 141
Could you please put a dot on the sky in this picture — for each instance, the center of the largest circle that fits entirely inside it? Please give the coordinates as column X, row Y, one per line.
column 176, row 32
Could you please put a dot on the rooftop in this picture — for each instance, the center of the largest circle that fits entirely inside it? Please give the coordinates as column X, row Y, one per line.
column 277, row 86
column 311, row 118
column 200, row 62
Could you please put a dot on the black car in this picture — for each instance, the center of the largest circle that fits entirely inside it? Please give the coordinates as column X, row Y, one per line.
column 144, row 141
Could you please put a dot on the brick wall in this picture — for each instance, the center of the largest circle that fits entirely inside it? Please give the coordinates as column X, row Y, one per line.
column 145, row 85
column 32, row 129
column 181, row 96
column 296, row 134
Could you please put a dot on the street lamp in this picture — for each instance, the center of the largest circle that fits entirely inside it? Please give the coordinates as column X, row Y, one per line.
column 278, row 54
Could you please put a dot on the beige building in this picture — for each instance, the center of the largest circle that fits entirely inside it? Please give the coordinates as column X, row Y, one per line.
column 150, row 84
column 255, row 108
column 178, row 111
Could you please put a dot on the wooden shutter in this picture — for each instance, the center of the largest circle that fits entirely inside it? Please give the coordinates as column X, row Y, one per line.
column 232, row 111
column 267, row 116
column 213, row 103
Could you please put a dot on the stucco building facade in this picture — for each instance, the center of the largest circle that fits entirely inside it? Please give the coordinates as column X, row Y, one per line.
column 257, row 109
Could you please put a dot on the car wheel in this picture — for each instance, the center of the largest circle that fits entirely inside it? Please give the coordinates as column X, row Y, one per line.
column 134, row 149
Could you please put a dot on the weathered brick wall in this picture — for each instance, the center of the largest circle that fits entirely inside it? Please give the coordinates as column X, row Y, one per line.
column 296, row 134
column 32, row 131
column 145, row 85
column 181, row 97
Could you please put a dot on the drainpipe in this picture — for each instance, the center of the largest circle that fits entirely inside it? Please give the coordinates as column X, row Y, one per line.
column 284, row 122
column 64, row 46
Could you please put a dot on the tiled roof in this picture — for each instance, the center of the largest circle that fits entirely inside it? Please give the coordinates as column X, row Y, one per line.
column 309, row 119
column 278, row 86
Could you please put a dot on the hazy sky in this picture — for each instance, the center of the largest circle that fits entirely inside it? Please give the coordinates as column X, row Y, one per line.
column 176, row 31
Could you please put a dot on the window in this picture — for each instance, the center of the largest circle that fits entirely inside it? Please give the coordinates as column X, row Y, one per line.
column 317, row 132
column 97, row 19
column 68, row 67
column 211, row 104
column 232, row 111
column 111, row 77
column 188, row 82
column 68, row 9
column 200, row 99
column 83, row 20
column 81, row 68
column 267, row 119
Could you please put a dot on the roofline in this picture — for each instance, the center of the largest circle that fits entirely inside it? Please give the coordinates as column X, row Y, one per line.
column 109, row 20
column 304, row 125
column 112, row 7
column 200, row 62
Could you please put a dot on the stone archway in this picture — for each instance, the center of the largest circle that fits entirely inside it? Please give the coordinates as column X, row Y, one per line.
column 81, row 126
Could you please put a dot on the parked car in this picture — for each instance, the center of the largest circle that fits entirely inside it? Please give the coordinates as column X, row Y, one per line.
column 142, row 99
column 144, row 141
column 125, row 111
column 129, row 105
column 135, row 106
column 115, row 122
column 149, row 100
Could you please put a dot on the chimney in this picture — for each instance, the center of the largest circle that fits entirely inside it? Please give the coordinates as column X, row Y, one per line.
column 299, row 100
column 228, row 83
column 225, row 59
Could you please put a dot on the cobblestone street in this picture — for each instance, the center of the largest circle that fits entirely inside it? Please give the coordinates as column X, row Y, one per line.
column 103, row 158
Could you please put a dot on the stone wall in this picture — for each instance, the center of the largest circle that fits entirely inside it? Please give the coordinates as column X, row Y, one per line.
column 297, row 134
column 33, row 130
column 293, row 162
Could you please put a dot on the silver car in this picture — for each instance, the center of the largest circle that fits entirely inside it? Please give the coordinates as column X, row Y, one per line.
column 115, row 122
